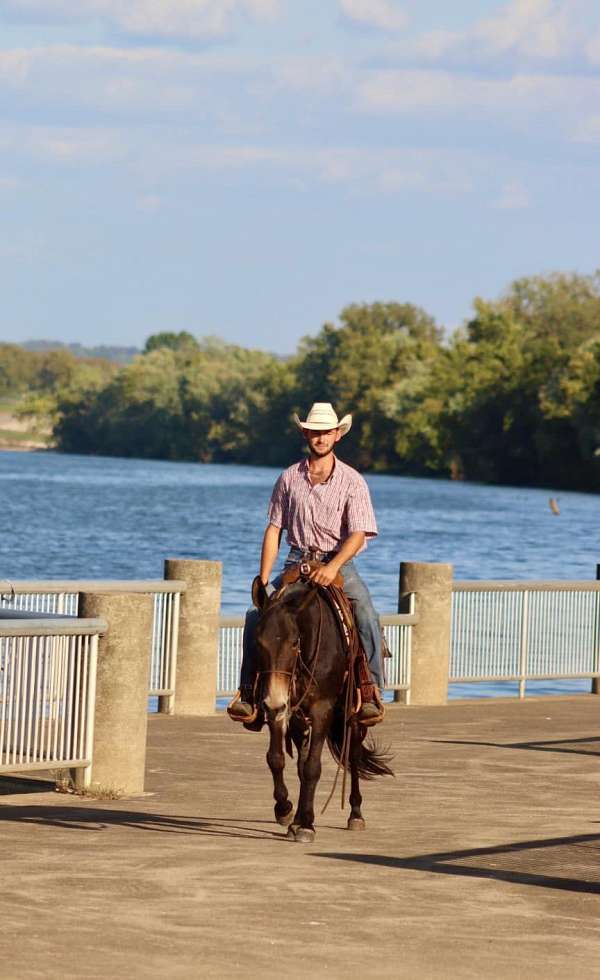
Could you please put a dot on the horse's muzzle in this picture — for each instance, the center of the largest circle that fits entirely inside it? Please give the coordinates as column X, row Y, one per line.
column 276, row 696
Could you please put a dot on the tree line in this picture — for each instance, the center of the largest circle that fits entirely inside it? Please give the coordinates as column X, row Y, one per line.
column 513, row 396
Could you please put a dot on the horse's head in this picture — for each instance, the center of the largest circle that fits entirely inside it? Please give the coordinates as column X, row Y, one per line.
column 277, row 645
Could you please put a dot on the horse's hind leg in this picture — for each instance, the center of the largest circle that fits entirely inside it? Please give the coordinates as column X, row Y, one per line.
column 355, row 820
column 276, row 763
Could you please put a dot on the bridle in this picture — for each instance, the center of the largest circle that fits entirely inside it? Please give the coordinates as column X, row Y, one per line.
column 300, row 666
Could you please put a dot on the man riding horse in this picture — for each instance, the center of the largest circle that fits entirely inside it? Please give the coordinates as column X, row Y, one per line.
column 325, row 508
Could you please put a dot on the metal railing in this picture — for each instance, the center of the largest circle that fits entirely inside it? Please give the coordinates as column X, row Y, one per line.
column 397, row 631
column 62, row 598
column 520, row 631
column 47, row 693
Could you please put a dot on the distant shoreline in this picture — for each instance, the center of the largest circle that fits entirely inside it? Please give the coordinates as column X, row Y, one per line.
column 16, row 436
column 23, row 447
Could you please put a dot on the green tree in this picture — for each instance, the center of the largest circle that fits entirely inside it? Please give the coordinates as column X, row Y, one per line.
column 562, row 309
column 138, row 413
column 518, row 394
column 354, row 365
column 172, row 341
column 18, row 369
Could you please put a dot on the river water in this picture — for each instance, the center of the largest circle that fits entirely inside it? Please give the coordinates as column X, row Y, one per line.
column 95, row 517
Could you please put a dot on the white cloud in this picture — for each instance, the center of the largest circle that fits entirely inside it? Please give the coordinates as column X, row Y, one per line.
column 592, row 49
column 587, row 130
column 149, row 203
column 536, row 27
column 65, row 145
column 233, row 93
column 10, row 183
column 321, row 74
column 23, row 247
column 152, row 161
column 160, row 18
column 386, row 170
column 118, row 80
column 514, row 197
column 384, row 14
column 516, row 99
column 237, row 97
column 546, row 30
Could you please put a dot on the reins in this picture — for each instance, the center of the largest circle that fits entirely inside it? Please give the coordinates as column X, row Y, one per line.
column 299, row 661
column 315, row 660
column 347, row 740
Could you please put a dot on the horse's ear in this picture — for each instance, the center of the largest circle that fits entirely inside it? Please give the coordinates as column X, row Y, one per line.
column 259, row 593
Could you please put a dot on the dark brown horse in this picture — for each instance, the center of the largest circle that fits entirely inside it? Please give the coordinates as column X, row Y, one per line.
column 301, row 661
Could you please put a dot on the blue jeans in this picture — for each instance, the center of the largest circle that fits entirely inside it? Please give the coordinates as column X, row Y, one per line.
column 367, row 622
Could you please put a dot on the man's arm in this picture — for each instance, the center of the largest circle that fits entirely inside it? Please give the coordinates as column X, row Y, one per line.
column 269, row 552
column 351, row 546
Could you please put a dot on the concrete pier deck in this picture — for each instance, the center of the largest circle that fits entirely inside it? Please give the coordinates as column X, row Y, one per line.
column 481, row 859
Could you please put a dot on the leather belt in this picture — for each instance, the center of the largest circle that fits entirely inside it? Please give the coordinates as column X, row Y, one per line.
column 314, row 554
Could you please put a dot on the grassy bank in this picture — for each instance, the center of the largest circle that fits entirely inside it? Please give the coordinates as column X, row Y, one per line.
column 19, row 434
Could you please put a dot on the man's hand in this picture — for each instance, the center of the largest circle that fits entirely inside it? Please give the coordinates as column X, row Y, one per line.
column 324, row 575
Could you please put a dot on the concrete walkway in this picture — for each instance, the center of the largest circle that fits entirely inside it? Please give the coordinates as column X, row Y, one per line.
column 481, row 859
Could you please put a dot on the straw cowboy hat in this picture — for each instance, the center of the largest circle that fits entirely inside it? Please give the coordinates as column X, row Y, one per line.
column 322, row 417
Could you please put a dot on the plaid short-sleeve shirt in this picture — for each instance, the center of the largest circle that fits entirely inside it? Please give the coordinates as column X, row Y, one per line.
column 321, row 515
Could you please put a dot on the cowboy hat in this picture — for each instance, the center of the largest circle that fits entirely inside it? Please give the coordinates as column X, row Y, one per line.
column 322, row 417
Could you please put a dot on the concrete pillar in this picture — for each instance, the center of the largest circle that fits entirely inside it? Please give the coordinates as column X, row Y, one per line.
column 596, row 680
column 123, row 679
column 198, row 648
column 432, row 585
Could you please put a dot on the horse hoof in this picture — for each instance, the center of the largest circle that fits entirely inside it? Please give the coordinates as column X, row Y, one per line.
column 356, row 823
column 304, row 835
column 284, row 820
column 291, row 834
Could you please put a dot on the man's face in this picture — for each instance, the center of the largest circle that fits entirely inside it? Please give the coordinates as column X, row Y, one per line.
column 321, row 443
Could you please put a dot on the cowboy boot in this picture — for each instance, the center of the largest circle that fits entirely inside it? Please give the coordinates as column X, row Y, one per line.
column 371, row 710
column 242, row 708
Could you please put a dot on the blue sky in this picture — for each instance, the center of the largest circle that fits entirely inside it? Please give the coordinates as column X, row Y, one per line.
column 246, row 168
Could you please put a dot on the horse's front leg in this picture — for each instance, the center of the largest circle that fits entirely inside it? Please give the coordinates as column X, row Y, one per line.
column 303, row 827
column 276, row 763
column 355, row 820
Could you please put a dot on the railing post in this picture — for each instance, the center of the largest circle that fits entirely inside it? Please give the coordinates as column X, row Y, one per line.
column 402, row 695
column 121, row 715
column 166, row 702
column 523, row 644
column 431, row 583
column 596, row 680
column 198, row 647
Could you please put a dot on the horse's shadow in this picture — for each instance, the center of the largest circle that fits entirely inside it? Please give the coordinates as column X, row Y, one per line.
column 501, row 863
column 541, row 745
column 98, row 819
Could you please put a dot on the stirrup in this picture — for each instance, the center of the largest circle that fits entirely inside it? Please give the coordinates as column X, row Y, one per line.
column 375, row 719
column 377, row 704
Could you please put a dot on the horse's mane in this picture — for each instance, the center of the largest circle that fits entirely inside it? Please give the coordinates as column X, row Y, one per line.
column 293, row 599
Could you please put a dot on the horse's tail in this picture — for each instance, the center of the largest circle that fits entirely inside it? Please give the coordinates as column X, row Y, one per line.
column 372, row 758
